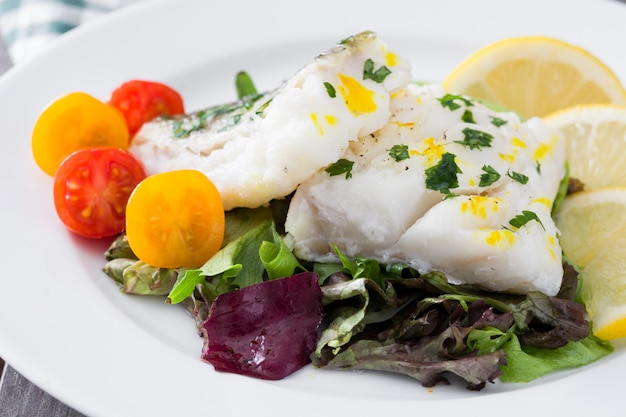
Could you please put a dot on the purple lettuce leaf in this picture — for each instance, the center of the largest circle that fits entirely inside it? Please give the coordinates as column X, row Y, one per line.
column 421, row 336
column 424, row 327
column 427, row 360
column 267, row 330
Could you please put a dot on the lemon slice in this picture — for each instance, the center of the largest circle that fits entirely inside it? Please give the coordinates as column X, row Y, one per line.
column 535, row 76
column 593, row 237
column 595, row 143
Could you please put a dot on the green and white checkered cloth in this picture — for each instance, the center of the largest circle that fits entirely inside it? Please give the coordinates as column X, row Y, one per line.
column 28, row 26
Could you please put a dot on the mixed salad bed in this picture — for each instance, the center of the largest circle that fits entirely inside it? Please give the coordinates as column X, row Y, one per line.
column 362, row 315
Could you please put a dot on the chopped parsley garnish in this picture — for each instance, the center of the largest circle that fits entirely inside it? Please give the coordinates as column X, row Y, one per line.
column 345, row 40
column 521, row 178
column 233, row 121
column 538, row 168
column 443, row 176
column 330, row 89
column 496, row 121
column 200, row 122
column 526, row 216
column 342, row 166
column 489, row 177
column 450, row 101
column 178, row 131
column 244, row 85
column 399, row 152
column 379, row 75
column 475, row 139
column 468, row 116
column 262, row 107
column 249, row 100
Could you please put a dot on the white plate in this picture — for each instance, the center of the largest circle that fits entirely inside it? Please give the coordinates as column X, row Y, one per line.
column 65, row 326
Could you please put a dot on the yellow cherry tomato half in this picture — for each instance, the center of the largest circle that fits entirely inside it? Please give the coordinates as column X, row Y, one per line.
column 72, row 122
column 175, row 219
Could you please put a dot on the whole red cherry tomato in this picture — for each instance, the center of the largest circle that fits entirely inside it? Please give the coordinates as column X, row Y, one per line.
column 141, row 101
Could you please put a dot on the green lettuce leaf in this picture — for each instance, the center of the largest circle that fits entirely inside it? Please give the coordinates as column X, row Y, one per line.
column 134, row 276
column 278, row 259
column 254, row 252
column 525, row 364
column 488, row 339
column 562, row 190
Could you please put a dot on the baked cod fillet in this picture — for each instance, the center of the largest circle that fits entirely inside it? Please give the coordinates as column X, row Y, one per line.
column 446, row 185
column 261, row 148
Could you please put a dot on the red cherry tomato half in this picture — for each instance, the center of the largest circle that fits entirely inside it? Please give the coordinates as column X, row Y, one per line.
column 141, row 101
column 91, row 189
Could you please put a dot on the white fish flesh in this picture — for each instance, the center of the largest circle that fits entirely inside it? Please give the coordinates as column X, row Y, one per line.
column 260, row 149
column 446, row 185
